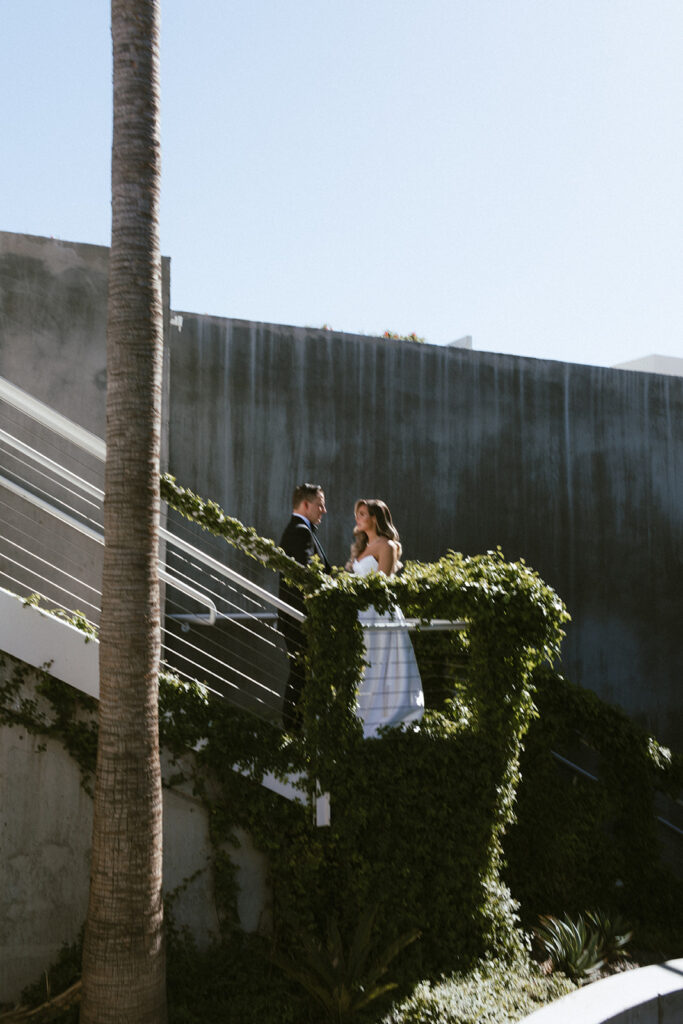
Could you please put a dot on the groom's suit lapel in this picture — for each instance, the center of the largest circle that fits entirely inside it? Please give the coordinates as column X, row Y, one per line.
column 319, row 548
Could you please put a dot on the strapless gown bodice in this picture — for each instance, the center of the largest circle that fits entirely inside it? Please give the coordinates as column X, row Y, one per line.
column 364, row 566
column 391, row 689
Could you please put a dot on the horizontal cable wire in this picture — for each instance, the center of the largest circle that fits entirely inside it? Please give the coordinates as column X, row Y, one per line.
column 26, row 527
column 183, row 642
column 201, row 677
column 60, row 448
column 218, row 662
column 47, row 495
column 52, row 583
column 51, row 565
column 39, row 594
column 238, row 652
column 56, row 605
column 58, row 474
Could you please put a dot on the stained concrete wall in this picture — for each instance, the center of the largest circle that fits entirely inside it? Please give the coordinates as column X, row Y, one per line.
column 45, row 841
column 53, row 320
column 576, row 469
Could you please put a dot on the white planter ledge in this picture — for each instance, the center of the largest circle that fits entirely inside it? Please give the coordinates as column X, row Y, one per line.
column 646, row 995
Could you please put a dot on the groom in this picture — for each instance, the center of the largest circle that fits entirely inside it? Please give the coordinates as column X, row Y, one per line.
column 299, row 541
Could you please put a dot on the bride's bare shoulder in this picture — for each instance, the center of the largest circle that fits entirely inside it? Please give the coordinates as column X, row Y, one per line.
column 384, row 550
column 381, row 544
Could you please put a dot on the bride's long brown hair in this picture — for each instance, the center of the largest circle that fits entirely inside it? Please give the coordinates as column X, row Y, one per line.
column 379, row 510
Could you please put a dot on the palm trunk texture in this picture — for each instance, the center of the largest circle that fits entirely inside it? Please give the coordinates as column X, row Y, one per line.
column 123, row 956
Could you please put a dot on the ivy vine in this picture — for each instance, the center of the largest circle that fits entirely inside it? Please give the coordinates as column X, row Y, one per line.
column 580, row 842
column 419, row 816
column 469, row 750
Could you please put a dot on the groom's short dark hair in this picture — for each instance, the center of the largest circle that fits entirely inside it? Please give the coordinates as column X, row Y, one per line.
column 305, row 492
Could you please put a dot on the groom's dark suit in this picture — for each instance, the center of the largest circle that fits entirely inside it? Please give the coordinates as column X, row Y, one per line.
column 300, row 542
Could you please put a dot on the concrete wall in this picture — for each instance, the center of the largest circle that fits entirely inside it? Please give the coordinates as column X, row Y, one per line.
column 647, row 995
column 576, row 469
column 45, row 840
column 53, row 305
column 53, row 320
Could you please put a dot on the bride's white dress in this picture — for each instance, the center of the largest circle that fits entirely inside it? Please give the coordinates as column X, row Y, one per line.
column 391, row 689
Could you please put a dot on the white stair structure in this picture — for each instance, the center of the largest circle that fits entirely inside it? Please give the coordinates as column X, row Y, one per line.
column 51, row 539
column 38, row 638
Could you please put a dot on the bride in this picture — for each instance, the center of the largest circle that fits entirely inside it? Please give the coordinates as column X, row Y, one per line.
column 391, row 690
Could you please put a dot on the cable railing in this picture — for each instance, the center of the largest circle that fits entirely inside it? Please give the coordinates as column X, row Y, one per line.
column 592, row 777
column 51, row 495
column 51, row 544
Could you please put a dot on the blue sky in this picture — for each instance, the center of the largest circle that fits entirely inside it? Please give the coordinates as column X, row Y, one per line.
column 507, row 169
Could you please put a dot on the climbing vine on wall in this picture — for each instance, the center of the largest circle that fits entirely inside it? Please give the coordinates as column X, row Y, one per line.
column 514, row 623
column 418, row 815
column 579, row 841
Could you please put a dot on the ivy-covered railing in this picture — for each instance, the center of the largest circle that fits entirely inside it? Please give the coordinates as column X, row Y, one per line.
column 515, row 624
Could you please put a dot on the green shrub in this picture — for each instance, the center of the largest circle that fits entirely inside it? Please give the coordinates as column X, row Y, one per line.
column 494, row 992
column 417, row 815
column 60, row 976
column 343, row 980
column 231, row 981
column 578, row 843
column 613, row 931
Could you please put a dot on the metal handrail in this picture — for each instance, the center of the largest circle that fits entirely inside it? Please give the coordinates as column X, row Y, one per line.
column 45, row 506
column 43, row 414
column 89, row 442
column 413, row 625
column 594, row 778
column 98, row 538
column 55, row 467
column 189, row 591
column 230, row 574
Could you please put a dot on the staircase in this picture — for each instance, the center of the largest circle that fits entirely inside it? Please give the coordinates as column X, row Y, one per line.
column 220, row 625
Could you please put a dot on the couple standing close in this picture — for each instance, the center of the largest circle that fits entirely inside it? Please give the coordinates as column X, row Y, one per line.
column 391, row 690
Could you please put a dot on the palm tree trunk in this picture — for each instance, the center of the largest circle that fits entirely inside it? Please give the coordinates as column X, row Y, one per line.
column 123, row 957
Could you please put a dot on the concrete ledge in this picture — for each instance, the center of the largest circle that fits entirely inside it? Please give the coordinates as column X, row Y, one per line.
column 36, row 637
column 647, row 995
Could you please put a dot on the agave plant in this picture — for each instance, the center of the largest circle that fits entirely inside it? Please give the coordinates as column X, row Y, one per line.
column 614, row 933
column 572, row 946
column 343, row 983
column 580, row 947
